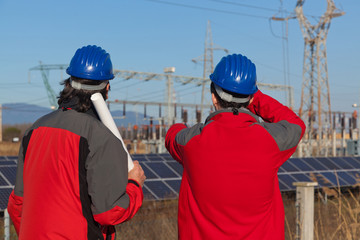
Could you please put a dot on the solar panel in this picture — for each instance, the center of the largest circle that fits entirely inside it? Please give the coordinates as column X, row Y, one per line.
column 328, row 163
column 351, row 177
column 3, row 181
column 314, row 163
column 283, row 186
column 164, row 174
column 288, row 167
column 301, row 177
column 176, row 166
column 147, row 194
column 150, row 174
column 7, row 179
column 342, row 163
column 4, row 197
column 301, row 164
column 162, row 170
column 9, row 172
column 174, row 184
column 161, row 190
column 353, row 161
column 327, row 171
column 287, row 181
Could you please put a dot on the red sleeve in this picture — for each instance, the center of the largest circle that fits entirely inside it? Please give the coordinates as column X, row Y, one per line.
column 117, row 214
column 15, row 208
column 272, row 111
column 170, row 142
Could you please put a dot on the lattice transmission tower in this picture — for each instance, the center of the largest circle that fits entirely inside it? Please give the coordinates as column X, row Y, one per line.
column 208, row 60
column 44, row 69
column 315, row 107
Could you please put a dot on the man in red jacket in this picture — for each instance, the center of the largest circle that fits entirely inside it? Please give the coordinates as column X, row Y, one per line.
column 72, row 179
column 230, row 188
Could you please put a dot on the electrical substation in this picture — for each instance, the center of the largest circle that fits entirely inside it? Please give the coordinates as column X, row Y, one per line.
column 328, row 133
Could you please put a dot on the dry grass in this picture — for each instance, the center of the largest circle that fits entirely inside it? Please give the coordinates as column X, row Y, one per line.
column 339, row 218
column 336, row 219
column 9, row 148
column 155, row 220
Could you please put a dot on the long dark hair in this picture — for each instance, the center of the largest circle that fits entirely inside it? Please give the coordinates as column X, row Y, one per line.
column 83, row 96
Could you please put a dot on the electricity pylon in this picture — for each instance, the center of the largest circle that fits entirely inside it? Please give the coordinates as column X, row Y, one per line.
column 208, row 60
column 198, row 81
column 315, row 108
column 44, row 69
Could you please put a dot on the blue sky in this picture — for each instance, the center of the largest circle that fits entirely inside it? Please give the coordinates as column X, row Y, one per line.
column 148, row 35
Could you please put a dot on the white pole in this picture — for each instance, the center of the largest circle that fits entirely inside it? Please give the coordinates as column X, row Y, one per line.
column 334, row 143
column 6, row 225
column 105, row 117
column 169, row 84
column 305, row 210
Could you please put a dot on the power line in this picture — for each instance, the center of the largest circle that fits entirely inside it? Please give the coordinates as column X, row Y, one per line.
column 130, row 85
column 207, row 9
column 182, row 90
column 244, row 5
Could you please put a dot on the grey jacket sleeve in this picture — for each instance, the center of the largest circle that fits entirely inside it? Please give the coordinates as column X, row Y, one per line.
column 286, row 135
column 107, row 173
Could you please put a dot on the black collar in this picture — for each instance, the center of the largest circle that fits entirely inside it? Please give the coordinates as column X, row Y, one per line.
column 240, row 110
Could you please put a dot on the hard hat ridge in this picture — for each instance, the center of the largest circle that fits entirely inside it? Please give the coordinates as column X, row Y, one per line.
column 91, row 62
column 235, row 73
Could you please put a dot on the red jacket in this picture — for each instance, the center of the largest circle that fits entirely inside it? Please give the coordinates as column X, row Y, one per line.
column 229, row 187
column 72, row 180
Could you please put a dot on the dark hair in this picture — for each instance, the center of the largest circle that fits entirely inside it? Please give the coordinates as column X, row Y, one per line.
column 83, row 95
column 225, row 104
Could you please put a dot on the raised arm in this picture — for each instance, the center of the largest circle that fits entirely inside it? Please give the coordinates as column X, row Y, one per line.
column 272, row 111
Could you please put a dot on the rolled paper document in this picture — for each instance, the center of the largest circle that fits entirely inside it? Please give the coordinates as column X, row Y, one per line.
column 106, row 118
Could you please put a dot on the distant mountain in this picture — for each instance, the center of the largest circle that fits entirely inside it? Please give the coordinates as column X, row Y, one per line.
column 21, row 113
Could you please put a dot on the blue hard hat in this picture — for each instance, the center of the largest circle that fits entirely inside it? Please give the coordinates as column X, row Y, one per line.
column 235, row 73
column 91, row 62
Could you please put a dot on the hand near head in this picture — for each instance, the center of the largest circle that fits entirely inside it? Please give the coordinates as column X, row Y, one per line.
column 137, row 174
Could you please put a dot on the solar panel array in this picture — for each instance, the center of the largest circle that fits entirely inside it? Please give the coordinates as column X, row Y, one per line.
column 328, row 172
column 164, row 174
column 7, row 178
column 164, row 182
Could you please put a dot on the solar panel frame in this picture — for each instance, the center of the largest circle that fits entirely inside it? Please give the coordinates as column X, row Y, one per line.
column 349, row 177
column 318, row 166
column 300, row 164
column 289, row 167
column 342, row 163
column 149, row 173
column 283, row 186
column 328, row 163
column 176, row 167
column 4, row 197
column 161, row 190
column 162, row 170
column 353, row 161
column 287, row 180
column 301, row 177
